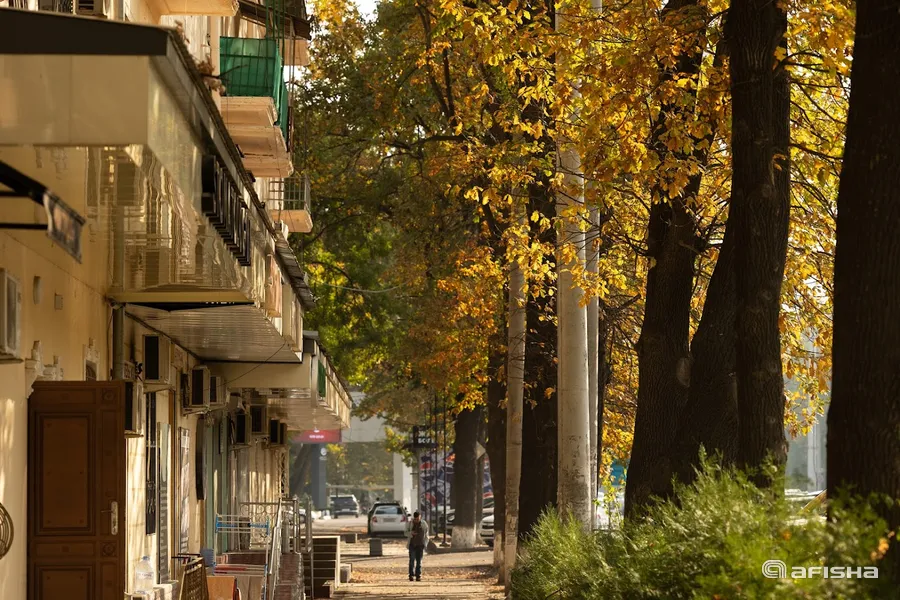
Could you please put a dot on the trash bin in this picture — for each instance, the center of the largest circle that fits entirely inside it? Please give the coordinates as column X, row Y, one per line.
column 375, row 547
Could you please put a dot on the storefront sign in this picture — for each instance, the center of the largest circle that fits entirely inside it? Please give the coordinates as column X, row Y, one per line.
column 324, row 436
column 222, row 202
column 63, row 225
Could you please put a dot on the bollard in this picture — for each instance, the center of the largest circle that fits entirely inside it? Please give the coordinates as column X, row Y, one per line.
column 349, row 538
column 345, row 573
column 375, row 547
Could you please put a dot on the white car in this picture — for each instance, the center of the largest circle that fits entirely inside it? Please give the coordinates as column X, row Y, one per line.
column 487, row 530
column 389, row 519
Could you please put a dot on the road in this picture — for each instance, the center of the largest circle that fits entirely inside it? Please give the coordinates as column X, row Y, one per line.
column 340, row 525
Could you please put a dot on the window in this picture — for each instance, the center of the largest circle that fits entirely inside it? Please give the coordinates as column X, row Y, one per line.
column 388, row 510
column 150, row 462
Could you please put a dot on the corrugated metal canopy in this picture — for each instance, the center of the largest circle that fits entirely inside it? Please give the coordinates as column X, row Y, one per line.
column 221, row 333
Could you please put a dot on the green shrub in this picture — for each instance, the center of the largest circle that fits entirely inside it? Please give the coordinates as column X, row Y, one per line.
column 711, row 543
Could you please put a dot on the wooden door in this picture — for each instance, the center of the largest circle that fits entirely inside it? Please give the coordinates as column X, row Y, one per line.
column 76, row 491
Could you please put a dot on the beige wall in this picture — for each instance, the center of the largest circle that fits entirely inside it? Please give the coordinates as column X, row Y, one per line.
column 64, row 333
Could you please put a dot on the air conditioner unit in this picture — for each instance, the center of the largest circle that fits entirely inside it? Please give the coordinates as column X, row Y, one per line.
column 241, row 424
column 10, row 317
column 157, row 363
column 197, row 400
column 59, row 6
column 134, row 409
column 259, row 419
column 218, row 393
column 94, row 8
column 277, row 433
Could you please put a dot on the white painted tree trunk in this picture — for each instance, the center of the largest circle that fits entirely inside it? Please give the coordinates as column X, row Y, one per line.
column 593, row 333
column 514, row 405
column 462, row 537
column 573, row 489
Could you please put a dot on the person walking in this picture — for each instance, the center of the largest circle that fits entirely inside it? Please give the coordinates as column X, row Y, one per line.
column 417, row 537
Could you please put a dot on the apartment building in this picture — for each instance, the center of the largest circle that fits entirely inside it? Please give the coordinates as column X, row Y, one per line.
column 152, row 354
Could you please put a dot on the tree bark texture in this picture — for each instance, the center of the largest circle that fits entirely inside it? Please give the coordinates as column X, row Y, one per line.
column 604, row 375
column 593, row 349
column 864, row 417
column 515, row 372
column 300, row 462
column 710, row 417
column 464, row 478
column 760, row 210
column 496, row 448
column 663, row 352
column 537, row 492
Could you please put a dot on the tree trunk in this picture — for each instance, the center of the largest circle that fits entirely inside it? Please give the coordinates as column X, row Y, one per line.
column 864, row 416
column 760, row 210
column 300, row 462
column 593, row 348
column 537, row 492
column 604, row 374
column 710, row 417
column 496, row 449
column 663, row 354
column 515, row 373
column 464, row 474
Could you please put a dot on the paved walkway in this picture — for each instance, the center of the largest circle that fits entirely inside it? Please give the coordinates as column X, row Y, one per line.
column 458, row 575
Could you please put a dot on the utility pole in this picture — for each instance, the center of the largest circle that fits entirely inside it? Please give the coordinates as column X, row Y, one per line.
column 573, row 491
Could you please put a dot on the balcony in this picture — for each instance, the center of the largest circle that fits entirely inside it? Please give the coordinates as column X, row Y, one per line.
column 288, row 202
column 256, row 107
column 210, row 8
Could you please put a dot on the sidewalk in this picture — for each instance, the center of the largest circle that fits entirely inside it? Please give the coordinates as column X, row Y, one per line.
column 468, row 575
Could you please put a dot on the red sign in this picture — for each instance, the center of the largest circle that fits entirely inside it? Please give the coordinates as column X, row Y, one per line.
column 323, row 436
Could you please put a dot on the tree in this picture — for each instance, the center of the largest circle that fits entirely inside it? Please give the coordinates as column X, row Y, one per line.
column 864, row 416
column 466, row 485
column 760, row 209
column 514, row 413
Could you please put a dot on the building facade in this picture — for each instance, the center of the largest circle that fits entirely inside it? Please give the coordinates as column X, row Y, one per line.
column 147, row 193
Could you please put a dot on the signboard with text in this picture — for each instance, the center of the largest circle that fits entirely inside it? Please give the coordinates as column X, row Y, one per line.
column 321, row 436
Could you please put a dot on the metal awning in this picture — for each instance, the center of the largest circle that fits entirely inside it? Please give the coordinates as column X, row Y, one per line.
column 63, row 224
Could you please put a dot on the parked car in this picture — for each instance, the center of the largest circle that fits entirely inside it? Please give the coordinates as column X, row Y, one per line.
column 486, row 509
column 344, row 505
column 376, row 506
column 487, row 529
column 388, row 519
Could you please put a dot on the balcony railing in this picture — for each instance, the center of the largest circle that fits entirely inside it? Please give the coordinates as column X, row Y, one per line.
column 288, row 201
column 254, row 68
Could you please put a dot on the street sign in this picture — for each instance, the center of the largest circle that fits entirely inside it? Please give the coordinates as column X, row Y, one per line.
column 421, row 438
column 63, row 225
